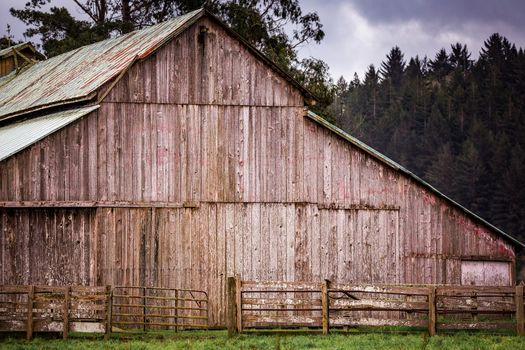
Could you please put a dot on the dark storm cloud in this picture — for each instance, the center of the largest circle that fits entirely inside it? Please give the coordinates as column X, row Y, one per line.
column 444, row 12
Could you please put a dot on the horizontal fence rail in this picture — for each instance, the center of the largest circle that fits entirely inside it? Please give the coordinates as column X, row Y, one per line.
column 67, row 309
column 54, row 309
column 148, row 308
column 328, row 305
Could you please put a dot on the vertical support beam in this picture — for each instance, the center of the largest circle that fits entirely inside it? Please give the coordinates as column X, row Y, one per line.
column 30, row 298
column 109, row 312
column 67, row 301
column 238, row 302
column 232, row 314
column 432, row 314
column 518, row 298
column 325, row 307
column 176, row 309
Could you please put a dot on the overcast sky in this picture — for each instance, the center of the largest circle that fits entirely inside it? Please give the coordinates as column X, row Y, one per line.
column 361, row 32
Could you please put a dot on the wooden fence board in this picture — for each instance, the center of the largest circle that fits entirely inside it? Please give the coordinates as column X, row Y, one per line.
column 281, row 301
column 348, row 321
column 391, row 305
column 273, row 304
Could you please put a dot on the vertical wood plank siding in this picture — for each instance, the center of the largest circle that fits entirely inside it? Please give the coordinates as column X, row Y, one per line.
column 7, row 65
column 275, row 195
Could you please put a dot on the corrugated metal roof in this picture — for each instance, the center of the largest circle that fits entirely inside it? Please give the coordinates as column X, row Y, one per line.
column 405, row 171
column 17, row 136
column 77, row 74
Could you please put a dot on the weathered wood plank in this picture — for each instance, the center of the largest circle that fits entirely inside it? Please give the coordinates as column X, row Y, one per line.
column 281, row 320
column 382, row 289
column 520, row 314
column 280, row 285
column 282, row 301
column 392, row 305
column 355, row 322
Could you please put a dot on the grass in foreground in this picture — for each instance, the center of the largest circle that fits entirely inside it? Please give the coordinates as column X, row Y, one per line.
column 219, row 340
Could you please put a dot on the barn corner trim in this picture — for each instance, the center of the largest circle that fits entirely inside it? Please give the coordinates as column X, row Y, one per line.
column 399, row 168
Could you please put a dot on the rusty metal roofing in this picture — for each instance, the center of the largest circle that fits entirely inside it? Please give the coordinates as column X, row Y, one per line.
column 384, row 159
column 17, row 136
column 76, row 75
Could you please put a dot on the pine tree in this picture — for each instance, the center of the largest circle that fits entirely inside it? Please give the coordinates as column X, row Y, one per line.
column 393, row 68
column 441, row 66
column 460, row 58
column 441, row 169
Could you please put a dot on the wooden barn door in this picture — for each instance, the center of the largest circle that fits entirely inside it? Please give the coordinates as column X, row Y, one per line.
column 486, row 273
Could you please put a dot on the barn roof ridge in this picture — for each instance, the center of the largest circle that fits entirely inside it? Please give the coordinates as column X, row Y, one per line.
column 77, row 75
column 398, row 167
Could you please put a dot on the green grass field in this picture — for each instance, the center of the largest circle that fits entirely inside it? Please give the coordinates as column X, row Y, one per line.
column 220, row 340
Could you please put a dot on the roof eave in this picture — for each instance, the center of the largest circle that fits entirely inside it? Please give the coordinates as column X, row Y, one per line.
column 89, row 97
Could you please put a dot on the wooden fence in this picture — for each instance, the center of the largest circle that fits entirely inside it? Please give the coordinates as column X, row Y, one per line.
column 54, row 309
column 328, row 305
column 100, row 309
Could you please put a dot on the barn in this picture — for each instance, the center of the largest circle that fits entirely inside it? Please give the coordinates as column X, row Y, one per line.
column 179, row 155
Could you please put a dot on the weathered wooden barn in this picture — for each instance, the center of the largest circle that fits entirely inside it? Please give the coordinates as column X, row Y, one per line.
column 179, row 155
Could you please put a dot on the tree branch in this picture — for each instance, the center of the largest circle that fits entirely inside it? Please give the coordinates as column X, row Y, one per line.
column 86, row 11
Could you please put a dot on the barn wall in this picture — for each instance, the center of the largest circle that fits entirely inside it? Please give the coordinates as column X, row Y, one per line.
column 211, row 69
column 199, row 247
column 7, row 65
column 47, row 246
column 274, row 195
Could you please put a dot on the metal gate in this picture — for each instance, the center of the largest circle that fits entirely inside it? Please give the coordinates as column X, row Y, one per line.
column 151, row 308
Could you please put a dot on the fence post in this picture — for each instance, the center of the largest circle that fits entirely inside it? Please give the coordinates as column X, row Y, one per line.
column 518, row 298
column 30, row 297
column 325, row 307
column 67, row 295
column 144, row 309
column 232, row 314
column 238, row 302
column 176, row 310
column 109, row 311
column 432, row 311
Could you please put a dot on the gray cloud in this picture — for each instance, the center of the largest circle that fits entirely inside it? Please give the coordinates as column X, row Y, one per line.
column 361, row 32
column 444, row 12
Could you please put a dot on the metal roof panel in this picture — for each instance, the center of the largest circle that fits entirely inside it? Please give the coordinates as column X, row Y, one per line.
column 17, row 136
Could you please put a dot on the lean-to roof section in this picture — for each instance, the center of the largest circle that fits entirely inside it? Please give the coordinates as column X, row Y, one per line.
column 76, row 75
column 17, row 136
column 397, row 167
